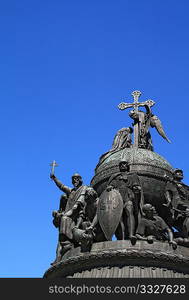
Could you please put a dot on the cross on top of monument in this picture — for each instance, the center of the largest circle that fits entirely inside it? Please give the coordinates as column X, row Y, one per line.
column 135, row 105
column 136, row 95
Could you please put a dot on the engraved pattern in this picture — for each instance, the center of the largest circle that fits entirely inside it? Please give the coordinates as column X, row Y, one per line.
column 139, row 156
column 158, row 257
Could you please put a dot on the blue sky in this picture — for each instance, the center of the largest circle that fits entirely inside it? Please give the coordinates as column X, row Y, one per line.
column 65, row 66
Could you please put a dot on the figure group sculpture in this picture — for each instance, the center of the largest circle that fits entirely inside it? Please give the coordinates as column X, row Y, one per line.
column 121, row 210
column 74, row 214
column 84, row 218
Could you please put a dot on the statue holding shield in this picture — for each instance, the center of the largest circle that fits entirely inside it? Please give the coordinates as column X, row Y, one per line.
column 119, row 205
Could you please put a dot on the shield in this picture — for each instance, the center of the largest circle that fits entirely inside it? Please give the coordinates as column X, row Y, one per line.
column 109, row 211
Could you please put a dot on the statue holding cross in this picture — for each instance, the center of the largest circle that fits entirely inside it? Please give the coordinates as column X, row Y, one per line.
column 143, row 121
column 77, row 205
column 53, row 165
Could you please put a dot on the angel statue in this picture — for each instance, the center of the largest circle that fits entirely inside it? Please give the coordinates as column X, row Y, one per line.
column 145, row 120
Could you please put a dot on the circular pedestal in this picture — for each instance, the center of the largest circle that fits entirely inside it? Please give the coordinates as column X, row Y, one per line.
column 120, row 259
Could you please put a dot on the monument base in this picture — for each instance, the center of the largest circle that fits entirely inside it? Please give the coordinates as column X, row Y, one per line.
column 120, row 259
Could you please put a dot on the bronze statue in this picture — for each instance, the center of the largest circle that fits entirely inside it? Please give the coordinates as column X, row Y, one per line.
column 177, row 201
column 68, row 216
column 72, row 193
column 83, row 232
column 139, row 199
column 122, row 140
column 129, row 188
column 75, row 215
column 143, row 121
column 57, row 215
column 146, row 120
column 182, row 222
column 152, row 227
column 176, row 192
column 183, row 190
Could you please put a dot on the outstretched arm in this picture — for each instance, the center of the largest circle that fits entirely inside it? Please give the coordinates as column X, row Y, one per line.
column 60, row 185
column 149, row 239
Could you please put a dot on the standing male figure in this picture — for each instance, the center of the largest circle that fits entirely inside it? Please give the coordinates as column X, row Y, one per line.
column 67, row 220
column 129, row 187
column 177, row 196
column 176, row 192
column 72, row 193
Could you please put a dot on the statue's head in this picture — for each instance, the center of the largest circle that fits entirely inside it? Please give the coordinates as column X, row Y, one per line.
column 148, row 210
column 123, row 166
column 178, row 174
column 90, row 194
column 136, row 188
column 77, row 180
column 133, row 115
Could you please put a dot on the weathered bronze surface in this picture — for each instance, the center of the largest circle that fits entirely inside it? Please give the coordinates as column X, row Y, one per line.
column 143, row 121
column 135, row 196
column 109, row 212
column 107, row 258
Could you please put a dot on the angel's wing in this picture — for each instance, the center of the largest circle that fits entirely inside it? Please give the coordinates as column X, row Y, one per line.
column 155, row 122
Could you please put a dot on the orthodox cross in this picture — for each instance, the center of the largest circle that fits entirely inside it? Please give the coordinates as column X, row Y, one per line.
column 136, row 104
column 53, row 165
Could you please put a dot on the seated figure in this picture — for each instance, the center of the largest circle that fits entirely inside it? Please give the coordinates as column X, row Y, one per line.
column 152, row 227
column 122, row 140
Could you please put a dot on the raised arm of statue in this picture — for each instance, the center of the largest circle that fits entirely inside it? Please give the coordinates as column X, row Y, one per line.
column 61, row 186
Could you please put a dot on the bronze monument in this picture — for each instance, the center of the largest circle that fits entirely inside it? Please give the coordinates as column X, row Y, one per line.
column 133, row 219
